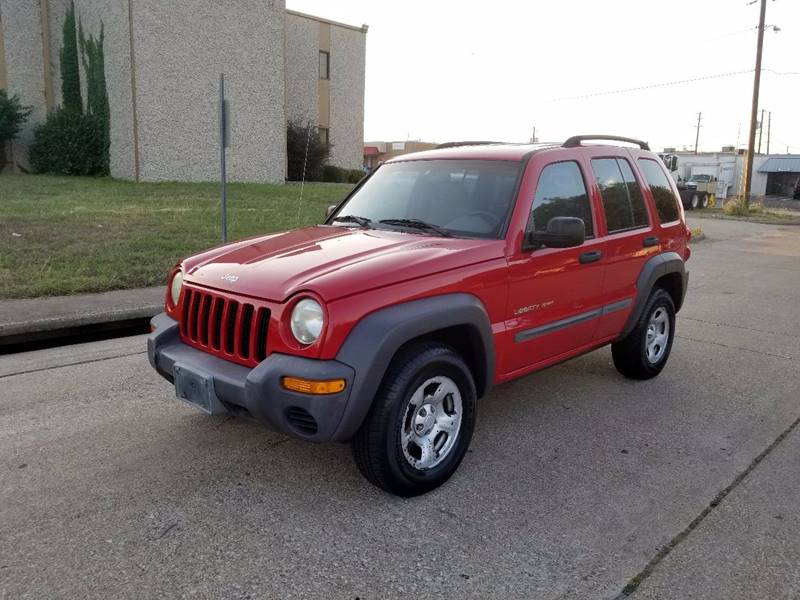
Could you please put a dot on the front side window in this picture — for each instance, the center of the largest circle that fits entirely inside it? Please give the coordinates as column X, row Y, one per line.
column 470, row 198
column 623, row 203
column 561, row 192
column 324, row 65
column 664, row 198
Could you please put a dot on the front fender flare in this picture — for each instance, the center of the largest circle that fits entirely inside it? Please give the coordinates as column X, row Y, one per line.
column 373, row 342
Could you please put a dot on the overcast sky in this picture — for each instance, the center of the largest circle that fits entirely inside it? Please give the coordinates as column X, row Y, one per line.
column 454, row 70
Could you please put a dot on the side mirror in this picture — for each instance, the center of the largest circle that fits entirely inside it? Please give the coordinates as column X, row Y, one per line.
column 562, row 232
column 329, row 210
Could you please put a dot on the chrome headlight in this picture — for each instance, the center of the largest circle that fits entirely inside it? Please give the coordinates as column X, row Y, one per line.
column 175, row 288
column 307, row 321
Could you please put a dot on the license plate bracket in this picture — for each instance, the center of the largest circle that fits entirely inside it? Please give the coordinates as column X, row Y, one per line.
column 197, row 389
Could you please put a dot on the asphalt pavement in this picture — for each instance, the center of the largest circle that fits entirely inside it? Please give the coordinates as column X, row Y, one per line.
column 578, row 483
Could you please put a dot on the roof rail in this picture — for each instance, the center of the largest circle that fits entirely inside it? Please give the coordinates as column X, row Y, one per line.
column 457, row 144
column 576, row 140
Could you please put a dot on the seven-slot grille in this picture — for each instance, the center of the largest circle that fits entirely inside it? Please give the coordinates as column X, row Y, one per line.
column 232, row 329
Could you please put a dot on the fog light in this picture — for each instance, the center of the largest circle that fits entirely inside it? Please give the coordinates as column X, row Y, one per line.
column 311, row 386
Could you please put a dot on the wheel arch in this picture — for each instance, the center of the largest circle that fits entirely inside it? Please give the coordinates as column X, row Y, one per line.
column 458, row 320
column 666, row 270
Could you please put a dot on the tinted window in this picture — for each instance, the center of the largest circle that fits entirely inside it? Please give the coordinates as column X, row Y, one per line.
column 662, row 191
column 561, row 193
column 622, row 199
column 634, row 194
column 467, row 197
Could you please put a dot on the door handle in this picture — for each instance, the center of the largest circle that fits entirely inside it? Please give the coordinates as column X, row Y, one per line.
column 650, row 241
column 588, row 257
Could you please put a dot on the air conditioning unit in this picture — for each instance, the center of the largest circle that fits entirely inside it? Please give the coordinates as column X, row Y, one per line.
column 729, row 148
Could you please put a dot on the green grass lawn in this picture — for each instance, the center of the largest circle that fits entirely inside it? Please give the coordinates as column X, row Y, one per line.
column 72, row 235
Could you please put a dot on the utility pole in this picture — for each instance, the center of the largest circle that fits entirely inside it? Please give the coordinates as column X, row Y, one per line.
column 697, row 135
column 760, row 130
column 748, row 170
column 533, row 135
column 769, row 128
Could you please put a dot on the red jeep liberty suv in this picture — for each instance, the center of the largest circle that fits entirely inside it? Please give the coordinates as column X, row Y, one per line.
column 441, row 274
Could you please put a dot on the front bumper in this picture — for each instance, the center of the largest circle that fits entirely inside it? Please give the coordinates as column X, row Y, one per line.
column 257, row 392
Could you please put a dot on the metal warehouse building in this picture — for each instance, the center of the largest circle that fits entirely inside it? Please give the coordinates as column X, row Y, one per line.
column 783, row 174
column 162, row 66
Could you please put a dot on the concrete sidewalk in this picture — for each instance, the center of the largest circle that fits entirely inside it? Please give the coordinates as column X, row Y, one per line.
column 32, row 319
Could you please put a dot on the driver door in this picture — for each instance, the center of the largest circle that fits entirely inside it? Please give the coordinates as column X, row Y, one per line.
column 555, row 293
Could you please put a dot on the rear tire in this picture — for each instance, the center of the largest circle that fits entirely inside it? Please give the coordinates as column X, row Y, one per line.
column 694, row 203
column 421, row 421
column 704, row 201
column 643, row 353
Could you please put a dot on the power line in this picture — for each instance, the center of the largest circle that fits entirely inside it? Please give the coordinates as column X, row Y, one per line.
column 773, row 72
column 653, row 85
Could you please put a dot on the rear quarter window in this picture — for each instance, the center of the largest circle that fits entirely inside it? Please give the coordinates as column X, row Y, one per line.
column 666, row 204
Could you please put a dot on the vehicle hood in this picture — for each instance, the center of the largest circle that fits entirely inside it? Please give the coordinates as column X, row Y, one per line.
column 331, row 261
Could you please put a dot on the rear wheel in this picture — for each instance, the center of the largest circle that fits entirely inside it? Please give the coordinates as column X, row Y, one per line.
column 420, row 423
column 694, row 203
column 704, row 201
column 643, row 353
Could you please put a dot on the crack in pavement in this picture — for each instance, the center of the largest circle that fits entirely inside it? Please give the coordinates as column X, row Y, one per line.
column 635, row 581
column 761, row 352
column 738, row 327
column 72, row 364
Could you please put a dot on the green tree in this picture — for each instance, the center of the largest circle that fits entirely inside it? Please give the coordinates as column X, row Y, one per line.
column 96, row 90
column 12, row 116
column 70, row 70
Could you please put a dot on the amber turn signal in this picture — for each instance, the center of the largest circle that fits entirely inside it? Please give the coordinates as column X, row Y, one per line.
column 311, row 386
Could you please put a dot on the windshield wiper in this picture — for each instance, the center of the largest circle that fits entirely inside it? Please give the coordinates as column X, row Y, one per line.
column 417, row 224
column 362, row 221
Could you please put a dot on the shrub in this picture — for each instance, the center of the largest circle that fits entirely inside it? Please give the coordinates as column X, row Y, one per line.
column 12, row 116
column 354, row 175
column 737, row 207
column 306, row 154
column 69, row 143
column 333, row 174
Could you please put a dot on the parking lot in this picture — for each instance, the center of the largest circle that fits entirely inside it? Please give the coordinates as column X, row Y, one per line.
column 578, row 483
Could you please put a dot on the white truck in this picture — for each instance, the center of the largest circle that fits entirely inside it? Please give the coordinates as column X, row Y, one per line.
column 699, row 183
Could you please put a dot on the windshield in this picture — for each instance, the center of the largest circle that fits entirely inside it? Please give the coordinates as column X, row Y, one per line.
column 700, row 178
column 468, row 198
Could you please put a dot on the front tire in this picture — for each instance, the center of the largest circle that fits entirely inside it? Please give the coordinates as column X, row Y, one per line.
column 420, row 423
column 643, row 353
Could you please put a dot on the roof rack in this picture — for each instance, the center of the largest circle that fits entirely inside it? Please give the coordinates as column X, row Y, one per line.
column 576, row 140
column 457, row 144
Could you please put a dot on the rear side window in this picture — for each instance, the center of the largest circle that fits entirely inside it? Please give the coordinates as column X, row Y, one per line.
column 561, row 192
column 662, row 192
column 623, row 203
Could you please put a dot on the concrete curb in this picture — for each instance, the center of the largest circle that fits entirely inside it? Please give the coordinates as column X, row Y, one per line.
column 33, row 319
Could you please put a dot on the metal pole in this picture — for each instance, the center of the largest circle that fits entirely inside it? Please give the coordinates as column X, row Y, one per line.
column 697, row 135
column 222, row 144
column 751, row 142
column 760, row 130
column 769, row 128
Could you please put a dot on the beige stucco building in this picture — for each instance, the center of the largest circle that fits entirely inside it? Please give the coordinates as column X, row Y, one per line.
column 162, row 67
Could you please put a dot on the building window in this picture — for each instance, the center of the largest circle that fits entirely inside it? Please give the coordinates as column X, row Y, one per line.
column 323, row 135
column 324, row 64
